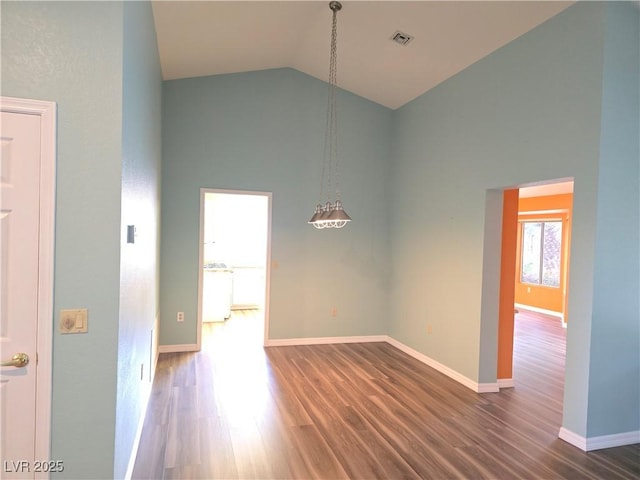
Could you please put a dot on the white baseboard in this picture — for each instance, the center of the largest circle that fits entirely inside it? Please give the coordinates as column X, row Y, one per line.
column 573, row 438
column 615, row 440
column 486, row 387
column 187, row 347
column 552, row 313
column 588, row 444
column 289, row 342
column 506, row 383
column 152, row 373
column 155, row 344
column 449, row 372
column 458, row 377
column 136, row 441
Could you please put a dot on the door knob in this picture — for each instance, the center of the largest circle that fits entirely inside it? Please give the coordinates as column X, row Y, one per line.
column 19, row 360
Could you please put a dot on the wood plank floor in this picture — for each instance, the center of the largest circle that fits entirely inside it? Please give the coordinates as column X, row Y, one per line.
column 362, row 411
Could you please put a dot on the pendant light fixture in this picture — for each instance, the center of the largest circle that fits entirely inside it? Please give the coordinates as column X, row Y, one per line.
column 332, row 214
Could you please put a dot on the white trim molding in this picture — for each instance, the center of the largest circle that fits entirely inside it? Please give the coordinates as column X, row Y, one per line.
column 288, row 342
column 178, row 348
column 153, row 358
column 44, row 342
column 506, row 383
column 449, row 372
column 551, row 313
column 486, row 387
column 136, row 441
column 573, row 438
column 267, row 288
column 588, row 444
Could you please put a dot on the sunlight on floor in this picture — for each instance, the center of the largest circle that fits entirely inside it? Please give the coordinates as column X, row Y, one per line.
column 233, row 347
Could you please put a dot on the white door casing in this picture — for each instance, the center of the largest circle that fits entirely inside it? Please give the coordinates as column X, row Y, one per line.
column 267, row 280
column 27, row 174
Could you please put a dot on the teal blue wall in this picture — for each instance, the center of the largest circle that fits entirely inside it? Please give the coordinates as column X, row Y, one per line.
column 139, row 272
column 73, row 53
column 560, row 101
column 614, row 375
column 528, row 112
column 421, row 184
column 49, row 53
column 264, row 131
column 535, row 110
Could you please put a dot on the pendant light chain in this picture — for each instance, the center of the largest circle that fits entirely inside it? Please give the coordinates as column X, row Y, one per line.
column 331, row 215
column 333, row 82
column 329, row 165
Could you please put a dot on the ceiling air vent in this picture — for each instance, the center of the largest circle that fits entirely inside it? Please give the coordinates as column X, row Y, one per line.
column 401, row 38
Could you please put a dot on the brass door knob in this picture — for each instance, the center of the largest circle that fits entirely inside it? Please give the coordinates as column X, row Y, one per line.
column 19, row 360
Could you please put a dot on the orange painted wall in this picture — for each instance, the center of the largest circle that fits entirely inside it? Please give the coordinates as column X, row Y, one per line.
column 548, row 298
column 507, row 286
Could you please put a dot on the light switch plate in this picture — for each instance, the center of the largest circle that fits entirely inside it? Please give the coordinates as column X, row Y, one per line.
column 74, row 320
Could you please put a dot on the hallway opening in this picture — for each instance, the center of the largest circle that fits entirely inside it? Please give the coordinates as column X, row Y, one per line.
column 544, row 249
column 536, row 238
column 234, row 258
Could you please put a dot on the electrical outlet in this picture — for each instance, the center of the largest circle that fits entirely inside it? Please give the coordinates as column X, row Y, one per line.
column 334, row 312
column 180, row 317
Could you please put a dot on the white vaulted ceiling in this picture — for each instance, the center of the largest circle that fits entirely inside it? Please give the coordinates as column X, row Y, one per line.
column 198, row 38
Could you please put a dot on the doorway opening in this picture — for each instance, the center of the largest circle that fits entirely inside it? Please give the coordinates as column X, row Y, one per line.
column 536, row 238
column 543, row 249
column 235, row 232
column 533, row 290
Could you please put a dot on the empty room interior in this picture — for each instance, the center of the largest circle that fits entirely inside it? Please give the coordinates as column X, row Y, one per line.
column 468, row 306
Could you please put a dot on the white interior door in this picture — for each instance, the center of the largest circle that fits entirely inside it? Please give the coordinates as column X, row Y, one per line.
column 21, row 297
